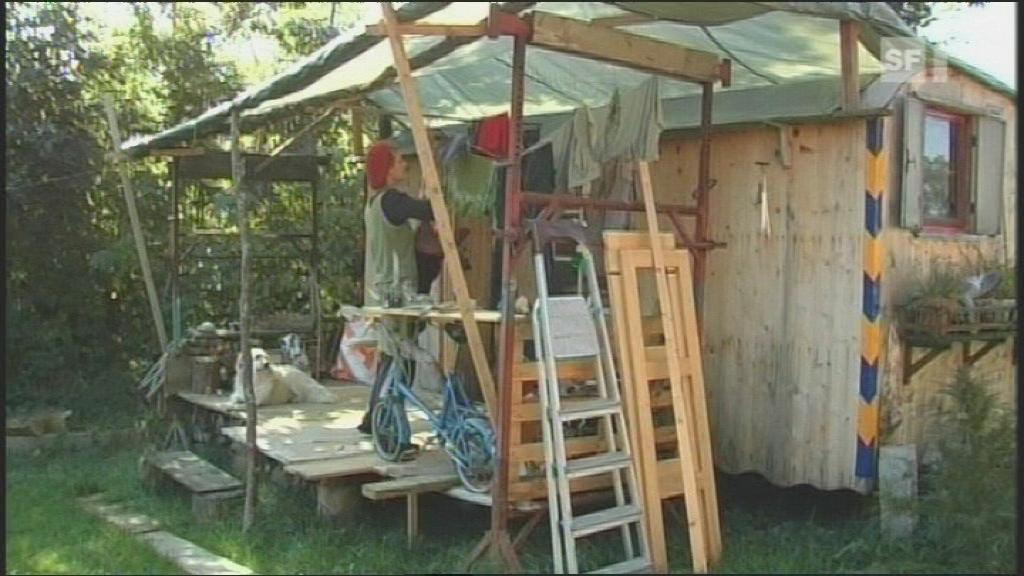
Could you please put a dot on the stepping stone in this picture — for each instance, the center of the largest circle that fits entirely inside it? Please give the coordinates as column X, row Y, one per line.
column 115, row 514
column 189, row 557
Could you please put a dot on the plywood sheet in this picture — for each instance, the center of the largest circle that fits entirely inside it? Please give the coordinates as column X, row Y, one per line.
column 781, row 325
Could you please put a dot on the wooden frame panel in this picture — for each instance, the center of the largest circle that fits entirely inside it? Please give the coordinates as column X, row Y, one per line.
column 690, row 475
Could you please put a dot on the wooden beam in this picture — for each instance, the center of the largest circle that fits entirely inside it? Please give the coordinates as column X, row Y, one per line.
column 449, row 30
column 133, row 217
column 849, row 31
column 624, row 19
column 432, row 185
column 283, row 168
column 598, row 42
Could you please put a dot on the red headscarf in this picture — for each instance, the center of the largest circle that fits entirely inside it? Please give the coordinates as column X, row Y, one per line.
column 379, row 160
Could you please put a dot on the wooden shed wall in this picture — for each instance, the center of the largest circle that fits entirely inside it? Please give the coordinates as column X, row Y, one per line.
column 908, row 409
column 782, row 313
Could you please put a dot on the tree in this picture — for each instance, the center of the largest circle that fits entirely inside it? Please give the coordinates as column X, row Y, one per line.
column 917, row 15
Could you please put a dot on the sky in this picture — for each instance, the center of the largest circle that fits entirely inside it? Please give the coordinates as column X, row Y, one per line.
column 984, row 36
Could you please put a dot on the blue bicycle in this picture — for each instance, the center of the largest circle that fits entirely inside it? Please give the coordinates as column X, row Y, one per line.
column 463, row 431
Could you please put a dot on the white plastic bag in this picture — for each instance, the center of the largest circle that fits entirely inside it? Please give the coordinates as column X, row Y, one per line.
column 357, row 353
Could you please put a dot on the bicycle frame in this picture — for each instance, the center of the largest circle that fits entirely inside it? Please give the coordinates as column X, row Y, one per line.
column 456, row 408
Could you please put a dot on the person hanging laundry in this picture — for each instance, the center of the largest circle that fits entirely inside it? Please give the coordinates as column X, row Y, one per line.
column 390, row 271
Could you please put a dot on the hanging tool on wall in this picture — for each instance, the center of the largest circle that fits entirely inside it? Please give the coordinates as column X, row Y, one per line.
column 762, row 200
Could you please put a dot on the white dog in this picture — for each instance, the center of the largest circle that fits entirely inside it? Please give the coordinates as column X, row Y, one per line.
column 279, row 384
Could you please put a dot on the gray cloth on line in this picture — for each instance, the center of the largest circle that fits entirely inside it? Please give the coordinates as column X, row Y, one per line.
column 627, row 129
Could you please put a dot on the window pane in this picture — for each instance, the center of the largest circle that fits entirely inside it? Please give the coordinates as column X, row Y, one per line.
column 938, row 168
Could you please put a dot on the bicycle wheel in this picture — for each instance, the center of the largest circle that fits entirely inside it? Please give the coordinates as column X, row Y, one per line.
column 388, row 428
column 475, row 464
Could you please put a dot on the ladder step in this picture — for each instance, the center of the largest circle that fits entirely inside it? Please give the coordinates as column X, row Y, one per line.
column 637, row 565
column 599, row 464
column 605, row 519
column 583, row 409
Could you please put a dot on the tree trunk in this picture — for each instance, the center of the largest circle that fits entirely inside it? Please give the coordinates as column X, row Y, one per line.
column 237, row 175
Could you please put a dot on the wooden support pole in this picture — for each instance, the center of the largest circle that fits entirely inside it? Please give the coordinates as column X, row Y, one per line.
column 244, row 321
column 699, row 545
column 412, row 518
column 432, row 184
column 358, row 146
column 176, row 321
column 700, row 257
column 849, row 31
column 133, row 217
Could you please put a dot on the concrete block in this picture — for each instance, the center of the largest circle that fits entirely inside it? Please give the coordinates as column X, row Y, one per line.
column 897, row 489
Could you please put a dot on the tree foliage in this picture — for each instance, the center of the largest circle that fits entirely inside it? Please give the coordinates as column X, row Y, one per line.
column 917, row 15
column 78, row 327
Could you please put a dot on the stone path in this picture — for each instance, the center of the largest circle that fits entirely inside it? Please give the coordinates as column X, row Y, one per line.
column 186, row 555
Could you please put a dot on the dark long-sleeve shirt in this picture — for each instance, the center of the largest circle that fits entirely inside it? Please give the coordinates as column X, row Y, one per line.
column 398, row 208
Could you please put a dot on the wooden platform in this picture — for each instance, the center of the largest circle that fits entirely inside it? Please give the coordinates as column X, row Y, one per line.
column 320, row 443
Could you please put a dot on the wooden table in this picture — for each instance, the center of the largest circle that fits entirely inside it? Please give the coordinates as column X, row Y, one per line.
column 440, row 315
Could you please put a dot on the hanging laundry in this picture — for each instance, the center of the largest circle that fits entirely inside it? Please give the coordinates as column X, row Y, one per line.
column 617, row 183
column 469, row 185
column 492, row 136
column 634, row 123
column 573, row 151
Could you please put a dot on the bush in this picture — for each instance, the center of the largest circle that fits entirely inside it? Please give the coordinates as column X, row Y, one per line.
column 968, row 505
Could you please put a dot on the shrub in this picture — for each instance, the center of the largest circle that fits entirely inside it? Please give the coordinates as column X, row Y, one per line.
column 968, row 505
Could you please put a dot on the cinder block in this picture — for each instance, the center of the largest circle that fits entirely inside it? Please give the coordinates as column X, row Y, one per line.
column 897, row 489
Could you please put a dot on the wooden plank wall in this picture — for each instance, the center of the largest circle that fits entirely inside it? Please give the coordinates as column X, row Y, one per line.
column 908, row 410
column 782, row 314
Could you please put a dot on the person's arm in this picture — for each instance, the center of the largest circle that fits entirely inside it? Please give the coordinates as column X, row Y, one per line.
column 399, row 208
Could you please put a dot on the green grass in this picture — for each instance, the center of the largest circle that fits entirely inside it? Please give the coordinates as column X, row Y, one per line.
column 46, row 531
column 797, row 530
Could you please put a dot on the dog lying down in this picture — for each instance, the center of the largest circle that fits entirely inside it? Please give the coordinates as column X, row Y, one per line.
column 279, row 383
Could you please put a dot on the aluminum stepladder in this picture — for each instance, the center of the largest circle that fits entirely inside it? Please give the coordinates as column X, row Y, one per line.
column 573, row 328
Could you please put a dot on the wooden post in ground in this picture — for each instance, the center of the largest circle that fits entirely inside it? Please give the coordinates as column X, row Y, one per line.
column 432, row 184
column 237, row 177
column 133, row 216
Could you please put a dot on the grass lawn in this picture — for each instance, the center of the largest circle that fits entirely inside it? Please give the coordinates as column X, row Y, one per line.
column 765, row 529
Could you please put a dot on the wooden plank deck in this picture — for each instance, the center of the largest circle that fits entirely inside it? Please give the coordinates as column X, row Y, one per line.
column 319, row 442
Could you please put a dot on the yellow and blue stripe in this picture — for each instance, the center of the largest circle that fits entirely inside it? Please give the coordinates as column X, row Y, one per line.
column 876, row 176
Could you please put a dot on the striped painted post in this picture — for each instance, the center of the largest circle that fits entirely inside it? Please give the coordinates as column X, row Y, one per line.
column 876, row 176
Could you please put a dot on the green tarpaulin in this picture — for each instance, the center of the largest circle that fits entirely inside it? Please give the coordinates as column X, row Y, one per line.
column 785, row 65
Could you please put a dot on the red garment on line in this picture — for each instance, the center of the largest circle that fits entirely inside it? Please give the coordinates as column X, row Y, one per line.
column 492, row 136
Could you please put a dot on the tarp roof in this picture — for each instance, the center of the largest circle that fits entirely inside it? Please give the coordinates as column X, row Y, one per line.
column 785, row 64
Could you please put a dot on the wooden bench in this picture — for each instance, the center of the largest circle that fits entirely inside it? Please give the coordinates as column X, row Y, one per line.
column 410, row 487
column 212, row 489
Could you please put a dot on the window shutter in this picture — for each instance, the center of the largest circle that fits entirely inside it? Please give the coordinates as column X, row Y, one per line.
column 913, row 148
column 988, row 176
